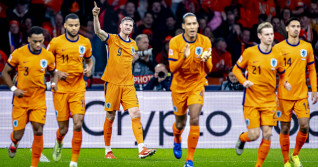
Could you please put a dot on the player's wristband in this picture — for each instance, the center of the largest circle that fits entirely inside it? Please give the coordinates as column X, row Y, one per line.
column 53, row 83
column 56, row 70
column 13, row 88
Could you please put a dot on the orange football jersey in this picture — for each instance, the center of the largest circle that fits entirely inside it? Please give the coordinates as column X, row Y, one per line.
column 296, row 59
column 69, row 58
column 120, row 54
column 193, row 71
column 261, row 71
column 31, row 70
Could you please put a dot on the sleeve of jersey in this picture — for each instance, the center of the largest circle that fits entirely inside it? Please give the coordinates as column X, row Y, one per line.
column 88, row 53
column 175, row 60
column 239, row 67
column 312, row 70
column 109, row 39
column 13, row 60
column 51, row 46
column 51, row 64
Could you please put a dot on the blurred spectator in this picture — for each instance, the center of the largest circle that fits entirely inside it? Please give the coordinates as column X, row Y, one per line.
column 313, row 12
column 162, row 57
column 160, row 80
column 215, row 5
column 221, row 59
column 286, row 13
column 15, row 36
column 130, row 11
column 26, row 26
column 231, row 82
column 208, row 32
column 47, row 32
column 58, row 25
column 185, row 6
column 146, row 23
column 170, row 26
column 279, row 30
column 178, row 31
column 20, row 11
column 226, row 27
column 3, row 60
column 307, row 32
column 296, row 6
column 202, row 24
column 144, row 63
column 216, row 21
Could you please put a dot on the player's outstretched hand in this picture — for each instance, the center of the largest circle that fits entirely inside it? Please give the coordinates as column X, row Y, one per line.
column 287, row 86
column 314, row 97
column 62, row 75
column 206, row 55
column 187, row 50
column 87, row 72
column 96, row 9
column 247, row 84
column 19, row 93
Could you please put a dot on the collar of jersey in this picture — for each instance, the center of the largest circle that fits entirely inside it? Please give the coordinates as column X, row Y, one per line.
column 265, row 53
column 292, row 44
column 34, row 52
column 189, row 41
column 123, row 39
column 72, row 40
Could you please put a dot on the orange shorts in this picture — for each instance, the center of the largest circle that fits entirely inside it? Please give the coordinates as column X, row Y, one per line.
column 118, row 94
column 181, row 101
column 286, row 107
column 22, row 115
column 260, row 116
column 68, row 104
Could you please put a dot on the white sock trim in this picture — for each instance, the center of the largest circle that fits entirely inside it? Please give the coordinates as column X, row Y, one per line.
column 140, row 147
column 107, row 149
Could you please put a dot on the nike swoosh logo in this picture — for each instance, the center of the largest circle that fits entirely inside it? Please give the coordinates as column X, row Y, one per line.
column 25, row 61
column 285, row 54
column 63, row 49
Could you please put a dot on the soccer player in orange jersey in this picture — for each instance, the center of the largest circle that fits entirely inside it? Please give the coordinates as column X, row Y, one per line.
column 31, row 62
column 119, row 82
column 259, row 100
column 69, row 50
column 298, row 55
column 189, row 61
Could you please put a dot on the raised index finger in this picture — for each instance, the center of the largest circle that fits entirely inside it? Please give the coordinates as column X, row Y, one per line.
column 95, row 4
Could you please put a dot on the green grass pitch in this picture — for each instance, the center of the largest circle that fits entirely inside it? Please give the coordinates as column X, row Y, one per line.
column 163, row 157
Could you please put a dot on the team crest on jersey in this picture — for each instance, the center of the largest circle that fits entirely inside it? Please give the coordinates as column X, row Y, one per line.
column 82, row 50
column 108, row 105
column 247, row 122
column 273, row 62
column 43, row 63
column 278, row 114
column 15, row 123
column 198, row 51
column 303, row 52
column 174, row 108
column 133, row 51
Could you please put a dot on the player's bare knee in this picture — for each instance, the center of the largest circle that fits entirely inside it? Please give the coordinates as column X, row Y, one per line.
column 78, row 126
column 110, row 115
column 63, row 130
column 194, row 121
column 17, row 135
column 304, row 128
column 38, row 131
column 181, row 124
column 134, row 113
column 253, row 136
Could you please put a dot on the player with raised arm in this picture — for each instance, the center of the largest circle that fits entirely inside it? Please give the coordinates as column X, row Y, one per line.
column 190, row 61
column 298, row 56
column 69, row 50
column 119, row 82
column 31, row 62
column 259, row 99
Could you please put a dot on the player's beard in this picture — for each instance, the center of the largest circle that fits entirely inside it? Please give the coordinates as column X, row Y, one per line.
column 70, row 34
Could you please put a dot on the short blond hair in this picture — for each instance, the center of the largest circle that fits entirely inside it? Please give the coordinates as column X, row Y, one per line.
column 262, row 26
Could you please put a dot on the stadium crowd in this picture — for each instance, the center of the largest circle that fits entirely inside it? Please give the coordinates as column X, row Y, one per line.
column 230, row 25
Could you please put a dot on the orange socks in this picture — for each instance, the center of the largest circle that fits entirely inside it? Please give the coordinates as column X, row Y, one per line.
column 13, row 140
column 300, row 141
column 244, row 137
column 193, row 138
column 137, row 129
column 37, row 148
column 76, row 145
column 59, row 137
column 262, row 152
column 284, row 145
column 108, row 128
column 177, row 133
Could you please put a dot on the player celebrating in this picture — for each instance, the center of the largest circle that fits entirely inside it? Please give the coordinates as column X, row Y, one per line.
column 69, row 50
column 119, row 82
column 259, row 100
column 190, row 61
column 297, row 55
column 31, row 61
